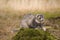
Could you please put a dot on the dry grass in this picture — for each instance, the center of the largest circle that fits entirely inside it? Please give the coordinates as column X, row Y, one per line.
column 10, row 20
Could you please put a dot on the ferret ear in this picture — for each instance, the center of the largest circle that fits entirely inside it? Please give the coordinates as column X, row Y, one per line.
column 37, row 15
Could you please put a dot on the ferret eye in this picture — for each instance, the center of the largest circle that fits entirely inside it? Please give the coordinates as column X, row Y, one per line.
column 39, row 18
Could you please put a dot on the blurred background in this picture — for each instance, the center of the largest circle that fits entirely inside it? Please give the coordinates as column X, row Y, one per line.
column 42, row 5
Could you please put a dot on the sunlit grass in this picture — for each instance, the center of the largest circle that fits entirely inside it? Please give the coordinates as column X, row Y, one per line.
column 48, row 15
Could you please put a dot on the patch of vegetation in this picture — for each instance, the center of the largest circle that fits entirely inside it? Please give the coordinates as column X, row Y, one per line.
column 33, row 34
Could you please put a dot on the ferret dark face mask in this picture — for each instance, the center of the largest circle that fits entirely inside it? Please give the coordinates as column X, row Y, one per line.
column 39, row 18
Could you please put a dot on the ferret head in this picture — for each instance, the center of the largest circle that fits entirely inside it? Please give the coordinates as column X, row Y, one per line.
column 39, row 18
